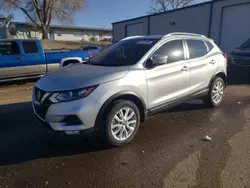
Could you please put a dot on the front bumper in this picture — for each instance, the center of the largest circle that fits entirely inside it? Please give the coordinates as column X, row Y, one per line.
column 55, row 116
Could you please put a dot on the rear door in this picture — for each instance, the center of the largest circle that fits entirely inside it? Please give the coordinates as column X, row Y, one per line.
column 11, row 60
column 171, row 81
column 35, row 62
column 203, row 64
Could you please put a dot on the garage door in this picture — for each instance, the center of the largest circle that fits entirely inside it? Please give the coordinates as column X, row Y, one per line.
column 134, row 29
column 235, row 28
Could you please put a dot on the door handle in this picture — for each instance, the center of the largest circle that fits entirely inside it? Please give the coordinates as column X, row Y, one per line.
column 19, row 58
column 185, row 68
column 212, row 62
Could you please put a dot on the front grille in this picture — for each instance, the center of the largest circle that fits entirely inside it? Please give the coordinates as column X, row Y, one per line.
column 41, row 105
column 241, row 61
column 39, row 94
column 41, row 110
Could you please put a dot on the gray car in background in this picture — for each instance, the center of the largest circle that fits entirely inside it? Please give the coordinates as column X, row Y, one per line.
column 132, row 79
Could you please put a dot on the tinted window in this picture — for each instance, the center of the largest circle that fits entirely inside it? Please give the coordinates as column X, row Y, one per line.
column 127, row 52
column 210, row 46
column 30, row 47
column 173, row 49
column 197, row 48
column 92, row 48
column 85, row 48
column 9, row 48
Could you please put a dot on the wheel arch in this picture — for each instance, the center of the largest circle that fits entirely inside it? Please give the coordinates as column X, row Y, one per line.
column 126, row 95
column 70, row 59
column 220, row 74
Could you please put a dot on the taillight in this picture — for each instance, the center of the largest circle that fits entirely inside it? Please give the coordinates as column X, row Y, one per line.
column 225, row 55
column 90, row 55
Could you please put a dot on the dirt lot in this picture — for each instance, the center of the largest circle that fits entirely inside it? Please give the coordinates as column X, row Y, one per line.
column 50, row 44
column 167, row 152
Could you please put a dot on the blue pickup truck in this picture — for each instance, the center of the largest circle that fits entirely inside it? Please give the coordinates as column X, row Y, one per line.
column 22, row 59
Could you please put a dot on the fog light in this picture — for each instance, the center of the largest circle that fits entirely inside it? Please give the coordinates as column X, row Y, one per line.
column 54, row 119
column 71, row 121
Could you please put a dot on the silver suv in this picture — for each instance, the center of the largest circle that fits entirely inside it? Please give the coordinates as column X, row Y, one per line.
column 129, row 81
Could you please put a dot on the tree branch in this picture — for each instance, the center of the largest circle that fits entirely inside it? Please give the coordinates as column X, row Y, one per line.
column 163, row 5
column 50, row 9
column 44, row 11
column 26, row 13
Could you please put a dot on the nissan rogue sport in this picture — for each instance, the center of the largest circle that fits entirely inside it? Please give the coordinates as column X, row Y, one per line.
column 132, row 79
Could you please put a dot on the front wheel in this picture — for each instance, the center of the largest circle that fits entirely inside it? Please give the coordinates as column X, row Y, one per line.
column 216, row 93
column 122, row 123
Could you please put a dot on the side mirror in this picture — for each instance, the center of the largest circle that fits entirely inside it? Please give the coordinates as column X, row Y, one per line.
column 159, row 60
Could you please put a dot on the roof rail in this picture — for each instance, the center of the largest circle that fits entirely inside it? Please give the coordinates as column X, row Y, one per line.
column 182, row 33
column 132, row 37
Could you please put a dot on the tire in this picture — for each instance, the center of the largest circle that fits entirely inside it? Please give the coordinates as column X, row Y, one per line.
column 211, row 100
column 118, row 131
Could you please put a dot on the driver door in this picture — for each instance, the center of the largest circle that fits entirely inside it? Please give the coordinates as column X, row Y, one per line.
column 170, row 81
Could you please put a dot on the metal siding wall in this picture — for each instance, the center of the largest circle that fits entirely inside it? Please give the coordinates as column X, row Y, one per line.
column 217, row 16
column 119, row 29
column 134, row 29
column 118, row 32
column 235, row 27
column 193, row 19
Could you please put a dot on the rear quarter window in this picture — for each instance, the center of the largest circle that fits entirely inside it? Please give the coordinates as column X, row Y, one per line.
column 93, row 48
column 197, row 48
column 30, row 47
column 209, row 45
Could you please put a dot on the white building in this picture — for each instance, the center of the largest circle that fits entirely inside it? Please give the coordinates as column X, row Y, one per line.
column 21, row 30
column 225, row 21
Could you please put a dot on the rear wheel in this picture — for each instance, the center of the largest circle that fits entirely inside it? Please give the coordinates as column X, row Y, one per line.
column 122, row 123
column 216, row 93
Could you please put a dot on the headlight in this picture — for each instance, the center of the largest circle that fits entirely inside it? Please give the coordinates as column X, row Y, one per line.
column 71, row 95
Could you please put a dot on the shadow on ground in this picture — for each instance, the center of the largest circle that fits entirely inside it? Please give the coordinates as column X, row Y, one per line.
column 23, row 139
column 238, row 75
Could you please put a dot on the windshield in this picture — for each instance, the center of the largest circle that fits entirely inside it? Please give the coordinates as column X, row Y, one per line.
column 246, row 45
column 123, row 53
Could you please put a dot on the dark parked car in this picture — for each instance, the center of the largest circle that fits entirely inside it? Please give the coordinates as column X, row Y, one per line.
column 241, row 55
column 239, row 64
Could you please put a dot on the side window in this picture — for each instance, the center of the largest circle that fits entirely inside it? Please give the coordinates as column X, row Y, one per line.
column 85, row 48
column 210, row 45
column 197, row 48
column 92, row 48
column 30, row 47
column 9, row 48
column 173, row 49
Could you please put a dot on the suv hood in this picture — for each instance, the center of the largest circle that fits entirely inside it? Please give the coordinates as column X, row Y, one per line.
column 80, row 76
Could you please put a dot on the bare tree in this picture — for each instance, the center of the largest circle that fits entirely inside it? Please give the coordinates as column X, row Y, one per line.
column 42, row 12
column 165, row 5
